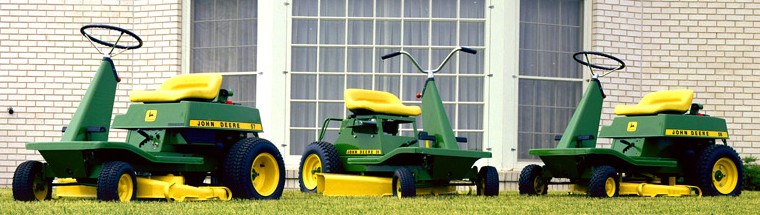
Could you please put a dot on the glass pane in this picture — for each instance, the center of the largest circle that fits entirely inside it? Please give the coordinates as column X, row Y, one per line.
column 227, row 59
column 360, row 60
column 444, row 34
column 388, row 33
column 303, row 86
column 331, row 87
column 572, row 12
column 470, row 117
column 242, row 86
column 529, row 62
column 332, row 8
column 572, row 39
column 529, row 11
column 549, row 37
column 415, row 33
column 548, row 64
column 472, row 33
column 331, row 60
column 471, row 89
column 247, row 56
column 299, row 139
column 203, row 34
column 439, row 55
column 444, row 9
column 226, row 33
column 360, row 8
column 388, row 84
column 549, row 11
column 472, row 8
column 304, row 31
column 416, row 8
column 203, row 60
column 529, row 36
column 472, row 64
column 247, row 32
column 305, row 7
column 331, row 110
column 388, row 8
column 359, row 82
column 390, row 65
column 226, row 9
column 360, row 32
column 332, row 32
column 421, row 55
column 304, row 60
column 203, row 10
column 474, row 141
column 447, row 88
column 302, row 114
column 412, row 86
column 247, row 9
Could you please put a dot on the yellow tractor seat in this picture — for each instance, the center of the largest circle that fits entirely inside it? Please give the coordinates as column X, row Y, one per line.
column 358, row 100
column 182, row 87
column 663, row 101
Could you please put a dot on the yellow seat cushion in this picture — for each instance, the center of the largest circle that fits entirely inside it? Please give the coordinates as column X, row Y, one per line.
column 658, row 102
column 378, row 102
column 203, row 86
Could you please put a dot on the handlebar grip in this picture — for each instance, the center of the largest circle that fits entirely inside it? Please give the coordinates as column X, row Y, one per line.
column 469, row 50
column 394, row 54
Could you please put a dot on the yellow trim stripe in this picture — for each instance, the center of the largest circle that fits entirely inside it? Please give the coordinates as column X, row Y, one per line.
column 696, row 133
column 225, row 124
column 363, row 152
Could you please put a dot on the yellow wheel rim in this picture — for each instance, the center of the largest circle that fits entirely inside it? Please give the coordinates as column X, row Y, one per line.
column 538, row 185
column 39, row 187
column 725, row 175
column 265, row 174
column 609, row 186
column 126, row 187
column 311, row 166
column 398, row 188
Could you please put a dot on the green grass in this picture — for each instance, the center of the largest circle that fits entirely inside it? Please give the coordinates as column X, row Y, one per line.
column 294, row 202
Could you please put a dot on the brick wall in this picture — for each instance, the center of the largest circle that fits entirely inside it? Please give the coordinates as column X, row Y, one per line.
column 46, row 65
column 710, row 47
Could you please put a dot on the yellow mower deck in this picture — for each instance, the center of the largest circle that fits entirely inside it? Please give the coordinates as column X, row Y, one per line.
column 168, row 187
column 355, row 185
column 649, row 190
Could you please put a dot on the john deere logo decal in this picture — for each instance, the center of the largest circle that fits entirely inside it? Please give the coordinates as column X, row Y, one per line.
column 363, row 152
column 632, row 126
column 151, row 115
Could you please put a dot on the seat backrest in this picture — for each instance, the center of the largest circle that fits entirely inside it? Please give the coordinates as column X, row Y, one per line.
column 673, row 99
column 352, row 96
column 206, row 82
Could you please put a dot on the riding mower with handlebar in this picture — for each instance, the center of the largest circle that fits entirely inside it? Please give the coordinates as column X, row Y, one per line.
column 370, row 158
column 177, row 137
column 662, row 146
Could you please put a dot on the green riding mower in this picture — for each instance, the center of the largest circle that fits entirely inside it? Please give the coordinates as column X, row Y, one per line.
column 179, row 137
column 662, row 146
column 371, row 158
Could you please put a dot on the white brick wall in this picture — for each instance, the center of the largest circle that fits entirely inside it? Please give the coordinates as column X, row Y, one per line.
column 46, row 65
column 710, row 47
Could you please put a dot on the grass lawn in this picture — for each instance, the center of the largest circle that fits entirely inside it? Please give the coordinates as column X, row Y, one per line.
column 294, row 202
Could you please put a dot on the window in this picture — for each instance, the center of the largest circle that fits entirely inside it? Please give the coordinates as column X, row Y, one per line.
column 224, row 41
column 337, row 44
column 550, row 84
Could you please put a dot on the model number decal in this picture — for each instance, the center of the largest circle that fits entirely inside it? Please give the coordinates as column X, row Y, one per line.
column 363, row 152
column 225, row 124
column 695, row 133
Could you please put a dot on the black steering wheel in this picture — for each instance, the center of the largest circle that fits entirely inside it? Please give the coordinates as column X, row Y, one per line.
column 585, row 63
column 114, row 28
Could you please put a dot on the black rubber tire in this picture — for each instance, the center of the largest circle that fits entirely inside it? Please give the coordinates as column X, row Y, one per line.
column 237, row 168
column 108, row 181
column 329, row 157
column 404, row 180
column 531, row 181
column 24, row 182
column 599, row 176
column 704, row 170
column 488, row 181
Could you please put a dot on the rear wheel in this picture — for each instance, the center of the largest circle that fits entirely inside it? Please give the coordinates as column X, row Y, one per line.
column 403, row 183
column 29, row 183
column 254, row 169
column 605, row 182
column 488, row 181
column 532, row 182
column 720, row 171
column 319, row 157
column 117, row 182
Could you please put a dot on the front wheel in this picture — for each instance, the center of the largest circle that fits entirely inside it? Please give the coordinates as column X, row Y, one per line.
column 319, row 157
column 403, row 183
column 605, row 182
column 117, row 182
column 254, row 169
column 30, row 184
column 532, row 182
column 720, row 171
column 488, row 181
